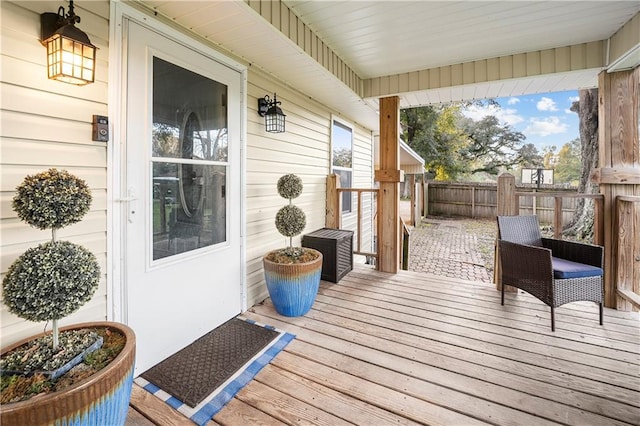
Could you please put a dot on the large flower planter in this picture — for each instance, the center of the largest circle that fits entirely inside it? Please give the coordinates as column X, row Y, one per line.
column 293, row 287
column 102, row 399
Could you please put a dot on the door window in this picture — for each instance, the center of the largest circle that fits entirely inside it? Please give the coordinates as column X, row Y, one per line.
column 189, row 160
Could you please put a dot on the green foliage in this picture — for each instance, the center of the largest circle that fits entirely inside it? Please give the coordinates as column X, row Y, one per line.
column 290, row 221
column 569, row 165
column 7, row 381
column 433, row 133
column 52, row 199
column 50, row 281
column 54, row 279
column 113, row 343
column 453, row 145
column 529, row 157
column 550, row 158
column 493, row 146
column 289, row 186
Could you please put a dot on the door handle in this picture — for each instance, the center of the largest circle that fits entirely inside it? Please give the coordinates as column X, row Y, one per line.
column 129, row 199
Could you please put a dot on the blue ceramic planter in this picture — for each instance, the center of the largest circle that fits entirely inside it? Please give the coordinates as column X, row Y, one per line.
column 293, row 287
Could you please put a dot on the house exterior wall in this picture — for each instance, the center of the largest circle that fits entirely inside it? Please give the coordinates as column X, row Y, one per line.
column 304, row 149
column 362, row 178
column 48, row 124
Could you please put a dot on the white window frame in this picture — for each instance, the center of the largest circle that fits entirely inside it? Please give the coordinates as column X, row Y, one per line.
column 347, row 197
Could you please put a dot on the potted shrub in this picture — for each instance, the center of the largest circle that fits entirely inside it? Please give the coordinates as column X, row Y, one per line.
column 80, row 374
column 292, row 274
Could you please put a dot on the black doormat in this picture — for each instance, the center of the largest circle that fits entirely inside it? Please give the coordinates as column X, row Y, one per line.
column 197, row 370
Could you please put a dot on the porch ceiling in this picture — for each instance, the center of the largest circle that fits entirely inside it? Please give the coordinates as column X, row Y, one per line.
column 379, row 38
column 386, row 38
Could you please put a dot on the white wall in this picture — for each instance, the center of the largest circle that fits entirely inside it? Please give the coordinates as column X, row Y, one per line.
column 304, row 149
column 47, row 124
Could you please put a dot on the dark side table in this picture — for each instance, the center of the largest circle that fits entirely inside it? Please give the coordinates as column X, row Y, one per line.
column 336, row 246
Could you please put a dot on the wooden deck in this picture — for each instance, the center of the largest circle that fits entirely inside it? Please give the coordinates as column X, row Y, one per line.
column 381, row 349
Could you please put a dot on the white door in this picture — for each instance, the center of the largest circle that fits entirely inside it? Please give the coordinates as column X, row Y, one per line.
column 182, row 237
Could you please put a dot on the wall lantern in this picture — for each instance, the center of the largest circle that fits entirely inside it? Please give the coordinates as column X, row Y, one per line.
column 273, row 116
column 70, row 55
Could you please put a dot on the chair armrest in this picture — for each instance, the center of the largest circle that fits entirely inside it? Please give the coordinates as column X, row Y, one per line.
column 576, row 252
column 525, row 262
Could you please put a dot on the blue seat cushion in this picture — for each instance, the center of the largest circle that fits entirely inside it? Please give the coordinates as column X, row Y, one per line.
column 564, row 269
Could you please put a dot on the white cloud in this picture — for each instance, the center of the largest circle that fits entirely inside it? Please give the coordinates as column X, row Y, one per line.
column 546, row 104
column 513, row 101
column 508, row 116
column 568, row 111
column 545, row 126
column 574, row 99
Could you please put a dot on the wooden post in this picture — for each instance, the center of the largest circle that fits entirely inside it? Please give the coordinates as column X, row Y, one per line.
column 359, row 244
column 389, row 176
column 507, row 205
column 598, row 224
column 557, row 218
column 405, row 245
column 418, row 206
column 425, row 201
column 534, row 203
column 628, row 252
column 412, row 183
column 473, row 202
column 332, row 211
column 619, row 162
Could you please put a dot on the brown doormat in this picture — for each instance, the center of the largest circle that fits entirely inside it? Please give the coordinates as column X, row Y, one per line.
column 196, row 371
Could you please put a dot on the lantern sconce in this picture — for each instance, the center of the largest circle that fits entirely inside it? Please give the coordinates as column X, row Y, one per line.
column 274, row 118
column 70, row 55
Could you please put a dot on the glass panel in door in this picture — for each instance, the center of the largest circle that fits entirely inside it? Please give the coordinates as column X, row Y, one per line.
column 189, row 159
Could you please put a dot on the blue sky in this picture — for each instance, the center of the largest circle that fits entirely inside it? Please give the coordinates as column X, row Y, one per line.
column 544, row 118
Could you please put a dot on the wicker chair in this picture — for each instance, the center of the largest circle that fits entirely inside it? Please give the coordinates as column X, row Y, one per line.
column 554, row 271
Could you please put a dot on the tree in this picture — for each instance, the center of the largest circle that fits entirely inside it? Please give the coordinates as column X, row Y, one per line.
column 568, row 166
column 530, row 157
column 587, row 109
column 493, row 146
column 549, row 156
column 452, row 144
column 433, row 133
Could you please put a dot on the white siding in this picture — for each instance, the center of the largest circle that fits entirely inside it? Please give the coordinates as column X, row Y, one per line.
column 303, row 149
column 48, row 124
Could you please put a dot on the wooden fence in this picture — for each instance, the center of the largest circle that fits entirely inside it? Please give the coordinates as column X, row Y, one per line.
column 478, row 200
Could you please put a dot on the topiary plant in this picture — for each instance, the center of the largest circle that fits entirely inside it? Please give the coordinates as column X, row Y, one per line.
column 290, row 221
column 56, row 278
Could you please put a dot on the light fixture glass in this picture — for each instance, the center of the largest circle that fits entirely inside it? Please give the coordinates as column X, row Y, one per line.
column 274, row 118
column 71, row 57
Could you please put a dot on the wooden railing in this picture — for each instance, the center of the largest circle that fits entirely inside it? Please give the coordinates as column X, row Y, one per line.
column 628, row 252
column 598, row 217
column 333, row 217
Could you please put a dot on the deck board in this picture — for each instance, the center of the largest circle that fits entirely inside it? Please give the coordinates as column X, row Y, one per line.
column 412, row 348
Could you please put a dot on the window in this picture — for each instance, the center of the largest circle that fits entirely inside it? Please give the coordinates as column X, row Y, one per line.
column 342, row 159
